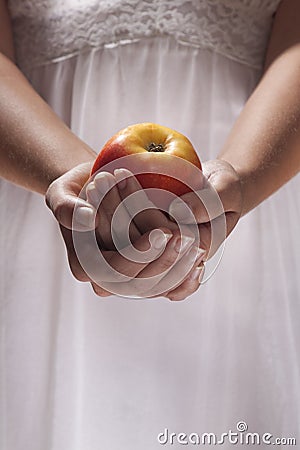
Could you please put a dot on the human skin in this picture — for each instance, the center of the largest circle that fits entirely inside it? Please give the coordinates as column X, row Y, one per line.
column 264, row 144
column 262, row 151
column 40, row 153
column 260, row 155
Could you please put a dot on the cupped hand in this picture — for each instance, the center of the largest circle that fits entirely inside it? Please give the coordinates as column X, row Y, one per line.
column 73, row 207
column 62, row 197
column 217, row 207
column 126, row 214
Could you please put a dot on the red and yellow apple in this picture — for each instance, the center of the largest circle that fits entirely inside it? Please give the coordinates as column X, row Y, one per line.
column 163, row 158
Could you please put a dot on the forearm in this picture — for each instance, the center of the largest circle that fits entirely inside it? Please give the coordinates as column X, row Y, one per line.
column 264, row 145
column 36, row 147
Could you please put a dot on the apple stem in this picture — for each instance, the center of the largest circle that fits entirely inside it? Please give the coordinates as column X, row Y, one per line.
column 155, row 147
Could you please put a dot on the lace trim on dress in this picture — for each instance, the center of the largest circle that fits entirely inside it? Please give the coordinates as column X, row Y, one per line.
column 50, row 30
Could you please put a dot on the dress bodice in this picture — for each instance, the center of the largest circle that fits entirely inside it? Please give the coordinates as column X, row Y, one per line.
column 49, row 30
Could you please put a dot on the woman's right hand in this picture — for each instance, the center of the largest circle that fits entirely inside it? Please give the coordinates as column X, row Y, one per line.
column 122, row 273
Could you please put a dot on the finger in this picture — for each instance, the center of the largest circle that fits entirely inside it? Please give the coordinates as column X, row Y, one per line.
column 221, row 193
column 167, row 273
column 146, row 250
column 212, row 234
column 115, row 222
column 189, row 286
column 149, row 216
column 62, row 198
column 178, row 274
column 103, row 231
column 197, row 207
column 95, row 195
column 74, row 264
column 100, row 291
column 157, row 270
column 111, row 266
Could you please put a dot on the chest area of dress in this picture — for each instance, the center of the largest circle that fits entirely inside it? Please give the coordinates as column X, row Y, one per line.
column 237, row 28
column 151, row 13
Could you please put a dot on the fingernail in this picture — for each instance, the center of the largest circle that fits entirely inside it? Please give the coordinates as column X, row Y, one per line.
column 85, row 216
column 196, row 254
column 160, row 239
column 121, row 177
column 103, row 182
column 182, row 243
column 197, row 274
column 200, row 253
column 92, row 194
column 180, row 210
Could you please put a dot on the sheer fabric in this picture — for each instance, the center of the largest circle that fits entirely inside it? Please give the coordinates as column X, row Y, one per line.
column 79, row 372
column 238, row 29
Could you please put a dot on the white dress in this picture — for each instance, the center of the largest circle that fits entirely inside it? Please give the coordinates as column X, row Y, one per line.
column 83, row 373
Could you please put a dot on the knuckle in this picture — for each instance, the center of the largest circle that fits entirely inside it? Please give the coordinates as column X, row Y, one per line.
column 176, row 297
column 188, row 288
column 100, row 291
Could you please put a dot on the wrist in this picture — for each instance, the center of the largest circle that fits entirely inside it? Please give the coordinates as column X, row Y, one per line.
column 69, row 162
column 231, row 185
column 225, row 179
column 251, row 185
column 80, row 154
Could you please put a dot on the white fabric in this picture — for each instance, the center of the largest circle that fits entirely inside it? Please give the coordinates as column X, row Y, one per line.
column 238, row 29
column 79, row 372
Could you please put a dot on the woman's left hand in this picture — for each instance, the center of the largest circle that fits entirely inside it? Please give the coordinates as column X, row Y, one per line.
column 219, row 204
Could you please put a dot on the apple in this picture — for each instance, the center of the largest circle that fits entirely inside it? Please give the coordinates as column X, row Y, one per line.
column 159, row 157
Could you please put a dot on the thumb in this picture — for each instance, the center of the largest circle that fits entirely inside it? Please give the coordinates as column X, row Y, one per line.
column 71, row 211
column 221, row 194
column 197, row 207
